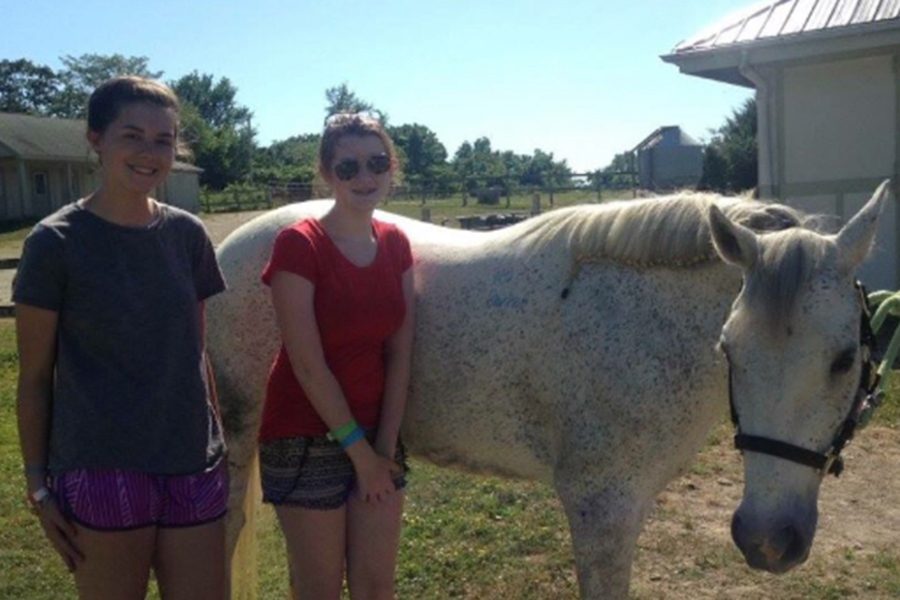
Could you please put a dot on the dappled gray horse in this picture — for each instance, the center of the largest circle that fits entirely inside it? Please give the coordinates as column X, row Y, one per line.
column 581, row 348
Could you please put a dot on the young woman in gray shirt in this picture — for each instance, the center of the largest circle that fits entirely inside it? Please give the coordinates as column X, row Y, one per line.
column 121, row 439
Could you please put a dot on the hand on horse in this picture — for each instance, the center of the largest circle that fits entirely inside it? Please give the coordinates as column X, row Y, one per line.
column 60, row 532
column 375, row 477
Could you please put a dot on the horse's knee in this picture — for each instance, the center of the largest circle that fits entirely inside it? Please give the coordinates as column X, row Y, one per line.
column 604, row 520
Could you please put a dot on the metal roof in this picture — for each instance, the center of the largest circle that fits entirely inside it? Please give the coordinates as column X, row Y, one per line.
column 44, row 138
column 789, row 19
column 666, row 136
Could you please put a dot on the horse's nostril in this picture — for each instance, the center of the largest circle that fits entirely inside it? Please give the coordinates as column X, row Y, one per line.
column 794, row 545
column 777, row 553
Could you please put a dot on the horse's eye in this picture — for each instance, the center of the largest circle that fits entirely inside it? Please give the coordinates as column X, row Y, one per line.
column 844, row 361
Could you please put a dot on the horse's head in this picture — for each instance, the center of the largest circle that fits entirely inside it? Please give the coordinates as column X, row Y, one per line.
column 793, row 343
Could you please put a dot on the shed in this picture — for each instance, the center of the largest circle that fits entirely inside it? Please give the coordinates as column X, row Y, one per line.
column 47, row 162
column 827, row 81
column 668, row 158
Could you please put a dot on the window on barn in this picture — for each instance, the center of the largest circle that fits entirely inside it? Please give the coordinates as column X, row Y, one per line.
column 40, row 184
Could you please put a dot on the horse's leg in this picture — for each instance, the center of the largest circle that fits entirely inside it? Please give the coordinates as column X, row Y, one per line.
column 604, row 521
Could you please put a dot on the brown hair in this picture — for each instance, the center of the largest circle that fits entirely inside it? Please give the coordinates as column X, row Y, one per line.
column 343, row 124
column 110, row 97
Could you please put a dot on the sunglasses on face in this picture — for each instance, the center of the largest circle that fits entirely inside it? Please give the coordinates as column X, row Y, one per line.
column 349, row 168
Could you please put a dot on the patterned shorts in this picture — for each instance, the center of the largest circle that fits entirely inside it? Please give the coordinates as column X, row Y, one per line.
column 119, row 500
column 312, row 472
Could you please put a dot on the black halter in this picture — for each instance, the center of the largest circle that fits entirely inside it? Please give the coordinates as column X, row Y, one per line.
column 867, row 399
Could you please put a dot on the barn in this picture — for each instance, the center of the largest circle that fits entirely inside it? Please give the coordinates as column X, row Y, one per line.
column 668, row 159
column 46, row 163
column 827, row 81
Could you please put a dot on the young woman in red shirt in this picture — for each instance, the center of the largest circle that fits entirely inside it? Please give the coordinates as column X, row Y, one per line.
column 331, row 459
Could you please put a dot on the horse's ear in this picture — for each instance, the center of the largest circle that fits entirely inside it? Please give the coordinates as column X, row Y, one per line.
column 854, row 240
column 735, row 243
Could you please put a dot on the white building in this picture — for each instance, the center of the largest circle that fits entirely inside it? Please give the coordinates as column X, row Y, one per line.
column 827, row 80
column 46, row 163
column 669, row 159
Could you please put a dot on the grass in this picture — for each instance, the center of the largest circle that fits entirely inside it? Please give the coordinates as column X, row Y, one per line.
column 28, row 564
column 442, row 208
column 12, row 234
column 470, row 536
column 447, row 209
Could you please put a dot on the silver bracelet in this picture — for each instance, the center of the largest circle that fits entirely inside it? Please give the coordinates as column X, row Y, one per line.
column 38, row 498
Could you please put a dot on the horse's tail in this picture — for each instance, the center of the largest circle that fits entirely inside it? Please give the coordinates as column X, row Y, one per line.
column 240, row 420
column 244, row 559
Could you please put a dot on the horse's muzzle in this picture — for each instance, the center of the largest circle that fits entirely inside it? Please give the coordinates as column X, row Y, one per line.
column 774, row 544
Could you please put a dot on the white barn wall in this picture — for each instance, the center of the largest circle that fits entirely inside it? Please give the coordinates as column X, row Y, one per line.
column 839, row 120
column 815, row 205
column 182, row 189
column 828, row 104
column 837, row 142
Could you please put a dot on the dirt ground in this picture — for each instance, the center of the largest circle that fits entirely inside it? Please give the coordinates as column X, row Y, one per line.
column 220, row 225
column 685, row 551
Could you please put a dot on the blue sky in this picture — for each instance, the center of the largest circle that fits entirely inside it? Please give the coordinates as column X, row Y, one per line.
column 581, row 79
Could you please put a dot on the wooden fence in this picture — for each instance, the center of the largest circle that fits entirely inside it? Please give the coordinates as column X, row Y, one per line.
column 483, row 190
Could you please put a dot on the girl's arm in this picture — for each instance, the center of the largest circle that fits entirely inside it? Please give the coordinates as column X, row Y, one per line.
column 398, row 357
column 292, row 298
column 36, row 340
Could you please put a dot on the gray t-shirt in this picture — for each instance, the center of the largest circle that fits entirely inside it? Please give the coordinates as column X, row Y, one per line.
column 130, row 388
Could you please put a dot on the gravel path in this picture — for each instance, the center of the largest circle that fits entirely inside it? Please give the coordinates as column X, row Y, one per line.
column 220, row 225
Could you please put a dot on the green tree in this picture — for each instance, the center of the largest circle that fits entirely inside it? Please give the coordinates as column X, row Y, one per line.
column 27, row 88
column 341, row 98
column 481, row 170
column 293, row 159
column 481, row 167
column 609, row 175
column 84, row 73
column 730, row 158
column 216, row 127
column 215, row 100
column 420, row 150
column 542, row 170
column 442, row 180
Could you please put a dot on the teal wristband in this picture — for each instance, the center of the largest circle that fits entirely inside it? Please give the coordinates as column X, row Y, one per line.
column 338, row 434
column 352, row 437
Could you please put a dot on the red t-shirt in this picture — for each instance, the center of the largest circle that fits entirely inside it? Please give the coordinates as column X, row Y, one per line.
column 357, row 309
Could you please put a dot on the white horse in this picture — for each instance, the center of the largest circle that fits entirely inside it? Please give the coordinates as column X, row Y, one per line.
column 580, row 348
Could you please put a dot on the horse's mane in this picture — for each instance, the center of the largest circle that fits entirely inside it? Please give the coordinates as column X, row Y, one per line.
column 664, row 231
column 673, row 231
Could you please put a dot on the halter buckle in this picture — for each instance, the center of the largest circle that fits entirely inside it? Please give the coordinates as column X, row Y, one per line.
column 869, row 405
column 833, row 464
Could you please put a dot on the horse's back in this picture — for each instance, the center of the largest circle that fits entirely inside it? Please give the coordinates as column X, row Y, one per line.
column 502, row 365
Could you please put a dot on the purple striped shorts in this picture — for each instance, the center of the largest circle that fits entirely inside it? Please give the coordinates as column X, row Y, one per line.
column 118, row 500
